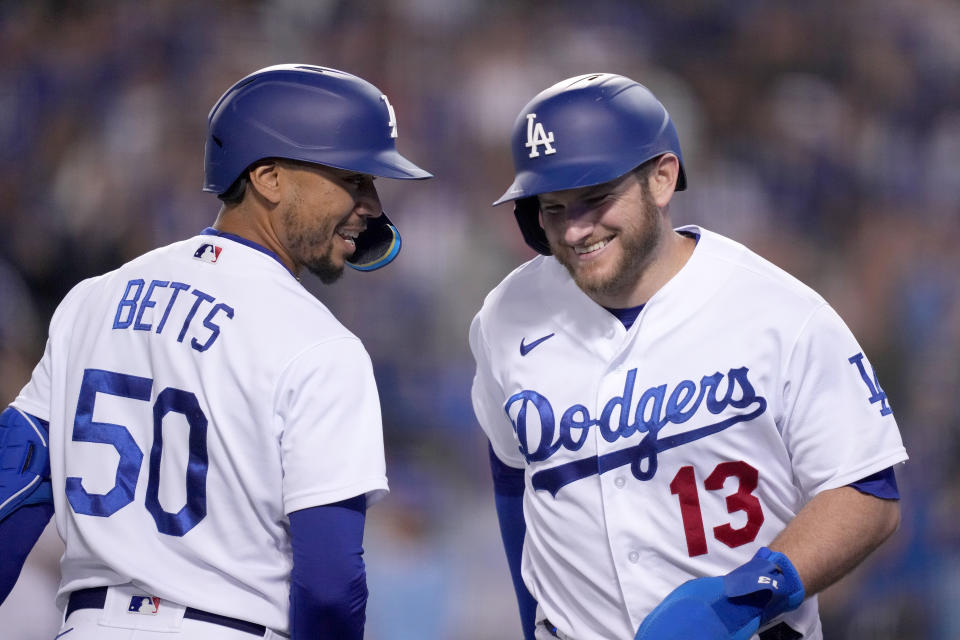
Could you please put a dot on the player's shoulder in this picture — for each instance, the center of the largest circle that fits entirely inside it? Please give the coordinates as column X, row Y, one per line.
column 80, row 293
column 88, row 286
column 301, row 317
column 265, row 298
column 134, row 265
column 243, row 273
column 523, row 284
column 511, row 299
column 752, row 273
column 528, row 300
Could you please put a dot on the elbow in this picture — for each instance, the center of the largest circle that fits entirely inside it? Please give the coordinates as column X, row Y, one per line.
column 334, row 600
column 890, row 518
column 879, row 522
column 336, row 606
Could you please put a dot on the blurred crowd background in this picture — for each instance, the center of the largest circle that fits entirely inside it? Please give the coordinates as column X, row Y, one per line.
column 825, row 135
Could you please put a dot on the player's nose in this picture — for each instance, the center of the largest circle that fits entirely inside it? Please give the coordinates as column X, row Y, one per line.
column 578, row 226
column 368, row 200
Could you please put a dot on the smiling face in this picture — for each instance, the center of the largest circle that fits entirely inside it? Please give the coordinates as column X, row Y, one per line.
column 605, row 235
column 322, row 213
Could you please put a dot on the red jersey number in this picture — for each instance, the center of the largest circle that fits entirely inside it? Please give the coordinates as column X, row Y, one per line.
column 684, row 486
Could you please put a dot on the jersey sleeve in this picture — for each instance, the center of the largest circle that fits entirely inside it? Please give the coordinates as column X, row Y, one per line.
column 837, row 424
column 488, row 401
column 331, row 430
column 35, row 398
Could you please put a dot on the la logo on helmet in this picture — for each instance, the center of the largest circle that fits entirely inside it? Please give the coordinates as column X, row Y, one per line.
column 392, row 122
column 536, row 136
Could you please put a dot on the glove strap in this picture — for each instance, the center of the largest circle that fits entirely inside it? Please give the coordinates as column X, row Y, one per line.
column 769, row 581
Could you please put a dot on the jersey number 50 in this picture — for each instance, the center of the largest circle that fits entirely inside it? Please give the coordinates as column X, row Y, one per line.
column 131, row 457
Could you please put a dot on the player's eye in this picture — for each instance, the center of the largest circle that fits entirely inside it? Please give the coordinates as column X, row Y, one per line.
column 596, row 199
column 357, row 179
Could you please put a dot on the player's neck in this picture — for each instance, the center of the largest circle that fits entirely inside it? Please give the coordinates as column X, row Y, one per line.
column 253, row 227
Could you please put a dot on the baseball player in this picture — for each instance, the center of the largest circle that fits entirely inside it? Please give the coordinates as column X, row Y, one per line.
column 214, row 433
column 686, row 442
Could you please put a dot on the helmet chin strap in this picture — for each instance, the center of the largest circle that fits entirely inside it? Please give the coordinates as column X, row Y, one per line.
column 377, row 246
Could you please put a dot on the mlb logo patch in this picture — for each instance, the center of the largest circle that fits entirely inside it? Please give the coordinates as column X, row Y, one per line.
column 208, row 253
column 144, row 605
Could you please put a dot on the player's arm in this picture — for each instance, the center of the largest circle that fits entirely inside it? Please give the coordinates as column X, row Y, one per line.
column 508, row 487
column 835, row 531
column 19, row 533
column 830, row 536
column 328, row 582
column 508, row 479
column 333, row 468
column 26, row 501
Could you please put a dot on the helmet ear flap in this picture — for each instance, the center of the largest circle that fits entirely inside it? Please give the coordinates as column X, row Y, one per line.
column 527, row 212
column 377, row 246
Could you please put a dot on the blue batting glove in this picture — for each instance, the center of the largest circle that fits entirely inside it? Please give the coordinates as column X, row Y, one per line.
column 731, row 607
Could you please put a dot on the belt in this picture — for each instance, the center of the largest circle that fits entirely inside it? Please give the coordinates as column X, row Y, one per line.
column 96, row 597
column 552, row 629
column 782, row 631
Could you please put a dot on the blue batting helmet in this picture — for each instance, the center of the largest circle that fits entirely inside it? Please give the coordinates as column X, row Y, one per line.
column 583, row 131
column 311, row 114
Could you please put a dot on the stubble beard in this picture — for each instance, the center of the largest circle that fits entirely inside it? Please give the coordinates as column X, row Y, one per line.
column 639, row 245
column 313, row 246
column 324, row 269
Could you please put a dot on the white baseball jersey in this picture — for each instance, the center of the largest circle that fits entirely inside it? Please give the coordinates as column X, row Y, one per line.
column 676, row 449
column 196, row 396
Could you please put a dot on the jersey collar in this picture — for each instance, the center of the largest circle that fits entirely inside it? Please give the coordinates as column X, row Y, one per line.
column 210, row 231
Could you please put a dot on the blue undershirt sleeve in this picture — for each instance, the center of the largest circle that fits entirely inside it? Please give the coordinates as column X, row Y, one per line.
column 508, row 486
column 328, row 582
column 882, row 484
column 19, row 532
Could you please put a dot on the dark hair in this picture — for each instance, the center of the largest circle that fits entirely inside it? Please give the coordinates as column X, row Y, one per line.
column 234, row 193
column 644, row 170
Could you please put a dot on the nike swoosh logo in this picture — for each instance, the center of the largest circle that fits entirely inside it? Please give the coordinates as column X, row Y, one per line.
column 527, row 348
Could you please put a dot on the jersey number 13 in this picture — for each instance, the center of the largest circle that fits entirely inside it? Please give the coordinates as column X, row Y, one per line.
column 684, row 486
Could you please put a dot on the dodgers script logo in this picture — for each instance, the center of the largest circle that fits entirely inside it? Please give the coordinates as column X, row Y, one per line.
column 658, row 406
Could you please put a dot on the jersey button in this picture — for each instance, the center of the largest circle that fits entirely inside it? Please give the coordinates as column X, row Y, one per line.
column 620, row 482
column 633, row 557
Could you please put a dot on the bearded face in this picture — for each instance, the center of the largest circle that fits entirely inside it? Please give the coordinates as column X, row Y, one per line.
column 605, row 235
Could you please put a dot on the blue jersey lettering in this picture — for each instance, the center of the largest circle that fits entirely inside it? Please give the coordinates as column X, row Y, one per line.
column 134, row 311
column 657, row 407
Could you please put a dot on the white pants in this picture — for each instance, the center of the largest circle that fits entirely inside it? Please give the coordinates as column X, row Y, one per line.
column 163, row 622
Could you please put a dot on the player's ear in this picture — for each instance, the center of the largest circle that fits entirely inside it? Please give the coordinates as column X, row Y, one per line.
column 662, row 180
column 264, row 179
